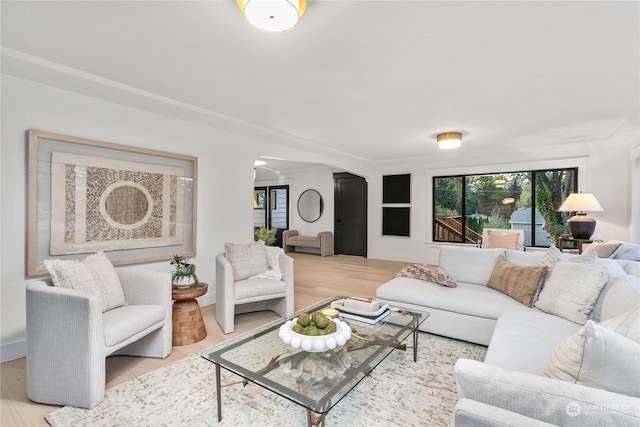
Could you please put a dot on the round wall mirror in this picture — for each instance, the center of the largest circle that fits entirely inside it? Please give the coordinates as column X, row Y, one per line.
column 310, row 205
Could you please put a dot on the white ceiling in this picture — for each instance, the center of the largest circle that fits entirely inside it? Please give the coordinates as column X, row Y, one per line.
column 377, row 80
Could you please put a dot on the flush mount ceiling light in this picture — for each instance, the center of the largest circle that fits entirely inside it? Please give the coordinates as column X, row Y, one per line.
column 449, row 140
column 273, row 15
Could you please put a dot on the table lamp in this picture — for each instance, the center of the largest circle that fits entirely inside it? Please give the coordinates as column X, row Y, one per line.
column 581, row 226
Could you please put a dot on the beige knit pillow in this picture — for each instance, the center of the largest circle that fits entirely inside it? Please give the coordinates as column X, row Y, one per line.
column 94, row 275
column 572, row 289
column 247, row 260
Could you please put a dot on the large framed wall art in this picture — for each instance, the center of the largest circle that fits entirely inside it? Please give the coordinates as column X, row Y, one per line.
column 85, row 196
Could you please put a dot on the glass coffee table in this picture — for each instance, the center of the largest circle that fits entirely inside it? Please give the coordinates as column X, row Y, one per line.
column 315, row 381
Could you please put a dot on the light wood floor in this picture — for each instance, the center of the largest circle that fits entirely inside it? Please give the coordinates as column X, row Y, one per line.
column 316, row 278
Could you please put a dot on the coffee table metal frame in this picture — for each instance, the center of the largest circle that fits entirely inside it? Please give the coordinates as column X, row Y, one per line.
column 397, row 327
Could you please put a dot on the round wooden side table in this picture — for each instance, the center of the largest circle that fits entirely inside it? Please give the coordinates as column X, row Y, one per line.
column 188, row 326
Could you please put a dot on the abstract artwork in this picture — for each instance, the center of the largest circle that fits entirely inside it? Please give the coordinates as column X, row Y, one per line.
column 105, row 204
column 85, row 196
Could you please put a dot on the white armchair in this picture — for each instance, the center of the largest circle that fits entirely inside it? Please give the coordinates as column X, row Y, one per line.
column 253, row 294
column 69, row 337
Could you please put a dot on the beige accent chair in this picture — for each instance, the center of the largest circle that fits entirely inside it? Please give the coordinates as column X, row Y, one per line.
column 503, row 238
column 252, row 294
column 69, row 337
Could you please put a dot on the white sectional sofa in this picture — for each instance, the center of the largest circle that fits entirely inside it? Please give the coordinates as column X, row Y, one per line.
column 510, row 386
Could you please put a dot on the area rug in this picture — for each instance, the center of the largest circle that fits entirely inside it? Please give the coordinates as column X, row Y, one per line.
column 398, row 392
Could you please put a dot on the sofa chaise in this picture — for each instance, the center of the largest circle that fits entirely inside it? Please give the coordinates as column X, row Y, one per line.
column 515, row 385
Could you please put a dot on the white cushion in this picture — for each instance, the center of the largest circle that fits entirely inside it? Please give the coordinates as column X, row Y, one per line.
column 94, row 275
column 614, row 271
column 523, row 340
column 245, row 289
column 246, row 260
column 551, row 257
column 626, row 324
column 468, row 299
column 630, row 267
column 571, row 290
column 469, row 265
column 125, row 322
column 598, row 357
column 602, row 249
column 530, row 258
column 622, row 296
column 628, row 251
column 544, row 399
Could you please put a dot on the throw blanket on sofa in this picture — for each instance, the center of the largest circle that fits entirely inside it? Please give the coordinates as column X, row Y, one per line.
column 429, row 273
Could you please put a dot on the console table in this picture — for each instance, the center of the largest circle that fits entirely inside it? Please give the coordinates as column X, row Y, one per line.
column 188, row 325
column 575, row 243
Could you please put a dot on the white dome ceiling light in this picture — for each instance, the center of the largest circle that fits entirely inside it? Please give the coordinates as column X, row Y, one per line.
column 273, row 15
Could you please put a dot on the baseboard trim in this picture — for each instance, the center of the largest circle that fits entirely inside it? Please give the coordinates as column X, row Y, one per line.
column 13, row 350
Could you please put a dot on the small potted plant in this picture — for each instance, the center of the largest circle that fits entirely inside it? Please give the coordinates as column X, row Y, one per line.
column 267, row 235
column 185, row 274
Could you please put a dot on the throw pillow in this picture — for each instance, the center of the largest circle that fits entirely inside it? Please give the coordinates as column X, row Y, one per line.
column 622, row 296
column 602, row 250
column 246, row 260
column 94, row 275
column 517, row 281
column 571, row 290
column 429, row 273
column 597, row 357
column 273, row 272
column 551, row 257
column 626, row 324
column 614, row 271
column 628, row 251
column 503, row 239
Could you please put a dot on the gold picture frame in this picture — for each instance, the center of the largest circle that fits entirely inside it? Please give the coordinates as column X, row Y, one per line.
column 85, row 196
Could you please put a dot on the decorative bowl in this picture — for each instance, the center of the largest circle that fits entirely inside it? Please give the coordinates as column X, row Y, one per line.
column 315, row 344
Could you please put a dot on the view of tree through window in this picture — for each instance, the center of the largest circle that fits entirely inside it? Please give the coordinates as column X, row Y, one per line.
column 525, row 201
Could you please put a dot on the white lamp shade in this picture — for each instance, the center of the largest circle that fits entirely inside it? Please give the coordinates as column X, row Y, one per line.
column 272, row 15
column 580, row 202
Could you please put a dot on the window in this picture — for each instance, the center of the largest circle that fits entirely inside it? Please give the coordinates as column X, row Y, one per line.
column 513, row 200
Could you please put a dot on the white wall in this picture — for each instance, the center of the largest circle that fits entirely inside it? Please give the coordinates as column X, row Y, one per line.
column 225, row 183
column 603, row 169
column 225, row 179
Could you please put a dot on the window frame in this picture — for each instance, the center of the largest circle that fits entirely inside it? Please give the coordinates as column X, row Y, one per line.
column 464, row 176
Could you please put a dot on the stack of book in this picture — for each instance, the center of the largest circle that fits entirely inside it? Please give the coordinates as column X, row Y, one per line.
column 366, row 319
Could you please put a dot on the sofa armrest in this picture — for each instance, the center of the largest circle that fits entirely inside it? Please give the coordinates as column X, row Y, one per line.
column 546, row 399
column 225, row 302
column 286, row 268
column 285, row 237
column 326, row 243
column 471, row 413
